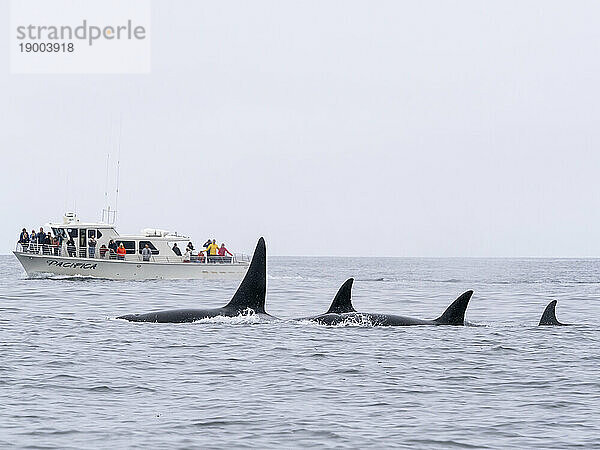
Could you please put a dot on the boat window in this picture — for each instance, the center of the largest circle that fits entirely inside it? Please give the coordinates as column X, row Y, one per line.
column 72, row 232
column 129, row 246
column 59, row 232
column 153, row 249
column 82, row 240
column 98, row 234
column 92, row 234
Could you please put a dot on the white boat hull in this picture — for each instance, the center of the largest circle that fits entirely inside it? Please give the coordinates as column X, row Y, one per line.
column 36, row 265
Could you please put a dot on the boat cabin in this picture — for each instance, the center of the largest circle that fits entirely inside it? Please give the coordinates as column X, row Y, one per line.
column 160, row 242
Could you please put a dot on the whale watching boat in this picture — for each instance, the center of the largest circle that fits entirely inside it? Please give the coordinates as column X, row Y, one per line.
column 70, row 254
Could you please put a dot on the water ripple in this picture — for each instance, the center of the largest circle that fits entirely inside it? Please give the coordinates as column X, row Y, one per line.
column 74, row 377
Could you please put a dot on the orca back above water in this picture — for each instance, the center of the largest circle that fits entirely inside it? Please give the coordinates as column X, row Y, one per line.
column 341, row 311
column 249, row 297
column 549, row 315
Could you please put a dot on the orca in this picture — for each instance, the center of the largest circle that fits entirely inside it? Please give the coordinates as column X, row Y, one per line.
column 342, row 311
column 549, row 315
column 249, row 297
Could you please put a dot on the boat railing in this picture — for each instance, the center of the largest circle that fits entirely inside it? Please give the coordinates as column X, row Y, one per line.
column 179, row 259
column 42, row 249
column 241, row 257
column 104, row 253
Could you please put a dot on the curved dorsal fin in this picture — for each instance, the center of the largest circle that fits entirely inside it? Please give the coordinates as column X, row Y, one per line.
column 455, row 313
column 342, row 302
column 549, row 315
column 253, row 288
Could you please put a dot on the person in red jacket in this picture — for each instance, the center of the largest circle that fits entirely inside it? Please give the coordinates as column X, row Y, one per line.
column 223, row 251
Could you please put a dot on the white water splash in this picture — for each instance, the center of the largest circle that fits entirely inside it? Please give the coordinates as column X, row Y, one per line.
column 248, row 316
column 358, row 320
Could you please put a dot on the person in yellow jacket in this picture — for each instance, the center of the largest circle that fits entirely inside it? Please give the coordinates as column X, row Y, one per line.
column 212, row 249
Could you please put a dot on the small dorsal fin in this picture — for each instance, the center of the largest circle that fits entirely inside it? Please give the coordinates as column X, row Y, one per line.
column 549, row 315
column 253, row 288
column 455, row 313
column 342, row 302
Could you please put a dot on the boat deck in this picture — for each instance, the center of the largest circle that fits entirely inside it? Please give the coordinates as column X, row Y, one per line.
column 108, row 255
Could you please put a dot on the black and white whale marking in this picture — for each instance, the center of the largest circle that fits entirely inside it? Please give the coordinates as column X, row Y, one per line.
column 549, row 315
column 249, row 297
column 342, row 311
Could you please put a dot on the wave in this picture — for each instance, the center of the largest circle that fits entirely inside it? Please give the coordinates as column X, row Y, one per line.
column 52, row 276
column 290, row 277
column 474, row 324
column 503, row 282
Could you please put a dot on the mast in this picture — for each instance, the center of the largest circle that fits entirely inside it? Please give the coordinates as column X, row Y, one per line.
column 118, row 172
column 110, row 216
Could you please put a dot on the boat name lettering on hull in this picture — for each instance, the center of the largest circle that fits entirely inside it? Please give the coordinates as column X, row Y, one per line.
column 72, row 265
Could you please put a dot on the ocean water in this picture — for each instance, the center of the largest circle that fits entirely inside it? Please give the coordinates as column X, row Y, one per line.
column 72, row 376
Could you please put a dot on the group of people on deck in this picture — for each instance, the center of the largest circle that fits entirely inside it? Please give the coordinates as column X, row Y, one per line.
column 211, row 252
column 34, row 242
column 48, row 244
column 113, row 250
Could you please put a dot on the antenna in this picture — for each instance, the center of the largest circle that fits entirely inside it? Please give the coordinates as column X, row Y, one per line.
column 106, row 181
column 118, row 170
column 66, row 189
column 110, row 216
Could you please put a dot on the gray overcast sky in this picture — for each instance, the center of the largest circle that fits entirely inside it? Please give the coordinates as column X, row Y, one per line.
column 421, row 128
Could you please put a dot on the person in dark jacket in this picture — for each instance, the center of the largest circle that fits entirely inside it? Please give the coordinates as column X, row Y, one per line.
column 33, row 242
column 47, row 244
column 176, row 249
column 23, row 237
column 41, row 238
column 112, row 247
column 71, row 247
column 24, row 240
column 60, row 240
column 92, row 247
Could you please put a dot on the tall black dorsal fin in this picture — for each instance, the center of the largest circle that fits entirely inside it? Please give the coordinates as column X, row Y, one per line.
column 342, row 302
column 549, row 315
column 253, row 288
column 455, row 313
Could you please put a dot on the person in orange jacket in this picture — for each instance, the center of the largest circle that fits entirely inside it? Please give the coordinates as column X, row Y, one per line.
column 121, row 251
